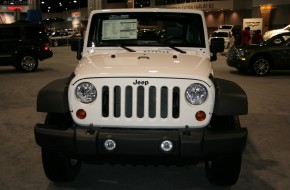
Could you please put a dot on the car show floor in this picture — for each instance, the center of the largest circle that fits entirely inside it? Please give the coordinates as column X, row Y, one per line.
column 265, row 162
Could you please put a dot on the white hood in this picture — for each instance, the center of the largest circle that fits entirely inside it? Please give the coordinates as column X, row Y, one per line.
column 139, row 64
column 272, row 33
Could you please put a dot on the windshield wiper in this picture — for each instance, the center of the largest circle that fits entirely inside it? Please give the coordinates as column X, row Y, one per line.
column 126, row 48
column 172, row 47
column 177, row 49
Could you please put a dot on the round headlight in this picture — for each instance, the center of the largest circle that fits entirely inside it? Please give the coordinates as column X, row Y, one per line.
column 86, row 92
column 196, row 94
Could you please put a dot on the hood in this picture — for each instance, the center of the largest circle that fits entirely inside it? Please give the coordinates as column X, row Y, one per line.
column 140, row 64
column 272, row 33
column 278, row 31
column 250, row 46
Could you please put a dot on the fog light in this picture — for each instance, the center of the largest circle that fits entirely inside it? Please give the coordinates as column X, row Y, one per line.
column 109, row 144
column 166, row 146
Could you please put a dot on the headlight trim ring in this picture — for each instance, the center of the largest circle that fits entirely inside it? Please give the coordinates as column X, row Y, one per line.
column 86, row 92
column 196, row 94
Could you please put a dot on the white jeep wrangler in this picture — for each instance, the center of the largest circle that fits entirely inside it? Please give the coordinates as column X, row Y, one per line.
column 144, row 91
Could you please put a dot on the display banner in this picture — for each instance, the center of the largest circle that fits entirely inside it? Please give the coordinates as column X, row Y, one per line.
column 204, row 6
column 14, row 2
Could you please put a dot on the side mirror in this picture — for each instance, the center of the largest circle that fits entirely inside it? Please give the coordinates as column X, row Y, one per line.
column 77, row 44
column 216, row 45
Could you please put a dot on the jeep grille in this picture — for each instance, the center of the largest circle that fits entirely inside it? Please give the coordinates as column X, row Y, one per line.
column 136, row 97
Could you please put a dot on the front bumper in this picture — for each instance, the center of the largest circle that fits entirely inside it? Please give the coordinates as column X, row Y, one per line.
column 237, row 63
column 44, row 54
column 193, row 143
column 234, row 61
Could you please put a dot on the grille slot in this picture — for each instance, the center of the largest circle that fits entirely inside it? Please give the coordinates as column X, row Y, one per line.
column 129, row 101
column 117, row 101
column 140, row 102
column 164, row 102
column 175, row 102
column 152, row 102
column 105, row 101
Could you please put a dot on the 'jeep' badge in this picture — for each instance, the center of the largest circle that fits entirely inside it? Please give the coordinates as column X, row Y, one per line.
column 138, row 82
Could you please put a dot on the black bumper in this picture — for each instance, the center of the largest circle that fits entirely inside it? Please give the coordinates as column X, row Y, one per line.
column 196, row 143
column 44, row 54
column 239, row 64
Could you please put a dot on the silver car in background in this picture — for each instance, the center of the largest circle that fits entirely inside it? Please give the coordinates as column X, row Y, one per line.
column 271, row 33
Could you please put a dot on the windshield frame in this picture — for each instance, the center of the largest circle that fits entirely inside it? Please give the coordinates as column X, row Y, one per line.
column 94, row 34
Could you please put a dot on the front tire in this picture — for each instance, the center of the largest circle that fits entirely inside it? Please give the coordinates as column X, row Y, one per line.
column 224, row 170
column 60, row 166
column 261, row 66
column 27, row 63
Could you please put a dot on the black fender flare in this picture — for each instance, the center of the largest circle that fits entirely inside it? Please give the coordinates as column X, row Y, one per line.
column 230, row 98
column 53, row 97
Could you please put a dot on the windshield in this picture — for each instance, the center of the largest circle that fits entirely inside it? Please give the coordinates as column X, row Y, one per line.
column 146, row 29
column 225, row 27
column 287, row 27
column 278, row 40
column 220, row 34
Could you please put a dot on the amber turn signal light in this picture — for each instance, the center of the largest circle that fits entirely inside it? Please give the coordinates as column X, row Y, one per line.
column 200, row 116
column 81, row 114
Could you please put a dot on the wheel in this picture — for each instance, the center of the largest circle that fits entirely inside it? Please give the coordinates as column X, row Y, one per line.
column 223, row 123
column 27, row 63
column 224, row 170
column 62, row 121
column 261, row 66
column 55, row 43
column 60, row 166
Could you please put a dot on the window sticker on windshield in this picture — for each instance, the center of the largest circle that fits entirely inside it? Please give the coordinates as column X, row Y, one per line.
column 119, row 29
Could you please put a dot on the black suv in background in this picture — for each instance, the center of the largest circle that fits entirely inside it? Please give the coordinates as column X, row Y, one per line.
column 22, row 45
